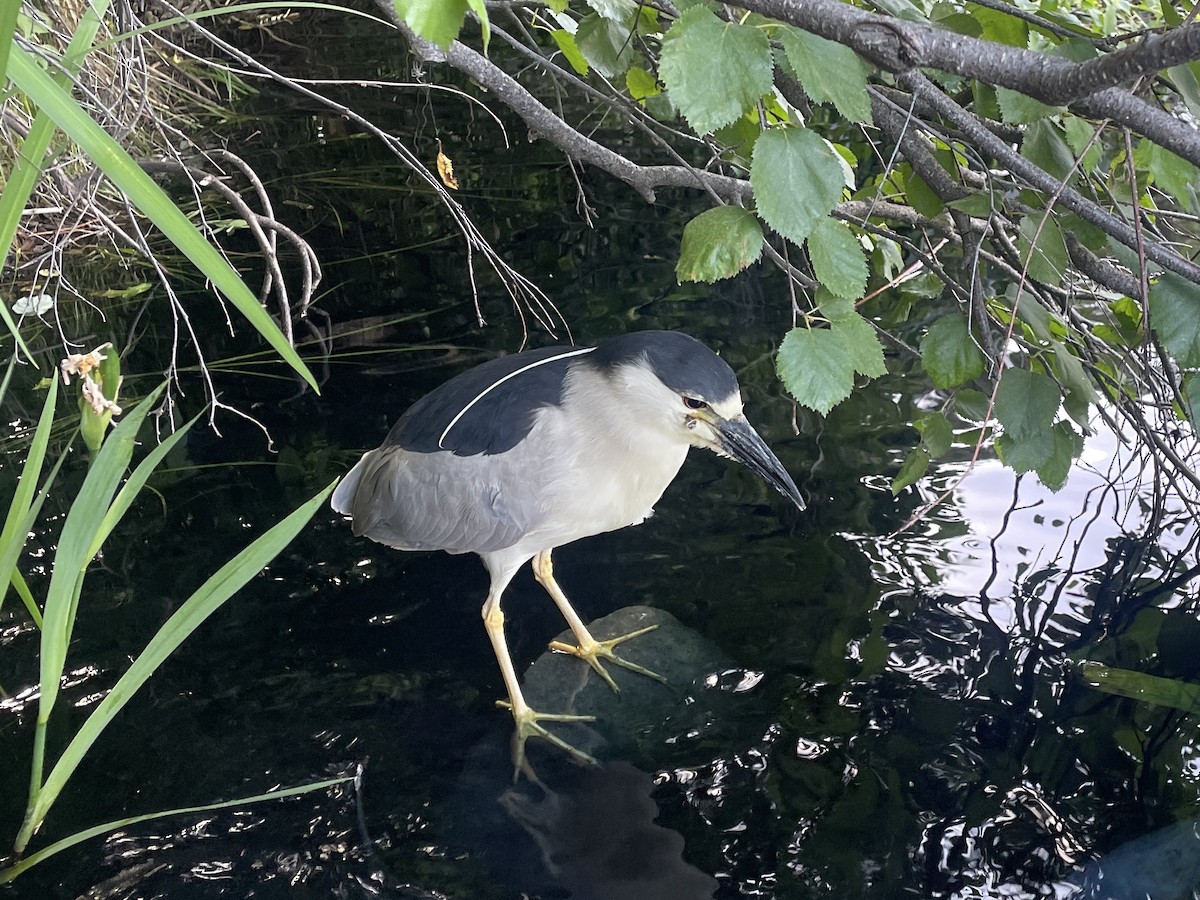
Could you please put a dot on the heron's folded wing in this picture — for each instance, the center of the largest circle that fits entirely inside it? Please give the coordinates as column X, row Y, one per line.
column 433, row 501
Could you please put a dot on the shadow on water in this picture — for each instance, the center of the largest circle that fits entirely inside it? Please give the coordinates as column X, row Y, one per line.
column 851, row 711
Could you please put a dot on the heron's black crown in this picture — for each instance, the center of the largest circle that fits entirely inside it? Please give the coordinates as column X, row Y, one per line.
column 678, row 360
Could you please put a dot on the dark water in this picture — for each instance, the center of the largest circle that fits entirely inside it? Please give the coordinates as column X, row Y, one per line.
column 851, row 712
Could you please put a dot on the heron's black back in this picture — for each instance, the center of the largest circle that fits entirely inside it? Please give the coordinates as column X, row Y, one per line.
column 496, row 421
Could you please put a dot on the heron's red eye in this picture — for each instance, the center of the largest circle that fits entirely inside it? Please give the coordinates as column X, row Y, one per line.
column 693, row 403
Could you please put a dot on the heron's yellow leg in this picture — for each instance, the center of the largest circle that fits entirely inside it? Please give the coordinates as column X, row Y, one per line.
column 526, row 719
column 589, row 649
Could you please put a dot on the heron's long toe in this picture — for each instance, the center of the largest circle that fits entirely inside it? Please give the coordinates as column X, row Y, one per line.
column 593, row 651
column 527, row 727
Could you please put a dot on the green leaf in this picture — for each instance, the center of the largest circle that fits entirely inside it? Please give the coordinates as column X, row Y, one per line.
column 1000, row 27
column 797, row 180
column 914, row 467
column 605, row 44
column 1068, row 444
column 1026, row 402
column 223, row 584
column 8, row 24
column 1045, row 146
column 28, row 862
column 1079, row 133
column 1169, row 172
column 617, row 10
column 149, row 198
column 72, row 554
column 714, row 70
column 949, row 353
column 17, row 520
column 641, row 84
column 936, row 433
column 816, row 368
column 1047, row 260
column 1175, row 317
column 862, row 344
column 1186, row 79
column 438, row 21
column 485, row 26
column 830, row 72
column 570, row 50
column 1026, row 452
column 1191, row 394
column 972, row 406
column 1019, row 109
column 718, row 244
column 1167, row 692
column 838, row 259
column 921, row 196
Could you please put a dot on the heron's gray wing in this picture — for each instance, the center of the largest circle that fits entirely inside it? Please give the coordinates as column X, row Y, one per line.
column 436, row 501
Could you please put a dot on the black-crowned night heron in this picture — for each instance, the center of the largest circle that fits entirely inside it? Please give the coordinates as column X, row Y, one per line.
column 528, row 452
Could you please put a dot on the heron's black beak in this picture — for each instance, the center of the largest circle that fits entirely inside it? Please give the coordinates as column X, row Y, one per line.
column 741, row 442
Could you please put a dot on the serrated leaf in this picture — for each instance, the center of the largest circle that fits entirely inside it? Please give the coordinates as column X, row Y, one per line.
column 862, row 344
column 641, row 84
column 838, row 259
column 605, row 45
column 719, row 243
column 1170, row 173
column 815, row 367
column 714, row 70
column 915, row 465
column 1045, row 146
column 1078, row 134
column 921, row 196
column 830, row 72
column 833, row 307
column 570, row 50
column 1000, row 27
column 1024, row 453
column 936, row 434
column 1019, row 109
column 1047, row 259
column 1175, row 317
column 616, row 10
column 950, row 354
column 438, row 21
column 972, row 406
column 797, row 180
column 1068, row 444
column 1026, row 403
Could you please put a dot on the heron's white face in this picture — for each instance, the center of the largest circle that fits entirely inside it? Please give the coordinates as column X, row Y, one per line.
column 681, row 417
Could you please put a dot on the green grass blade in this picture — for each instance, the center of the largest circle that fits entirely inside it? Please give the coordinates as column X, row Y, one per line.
column 17, row 522
column 28, row 167
column 7, row 875
column 147, row 196
column 8, row 25
column 199, row 606
column 134, row 484
column 71, row 557
column 18, row 580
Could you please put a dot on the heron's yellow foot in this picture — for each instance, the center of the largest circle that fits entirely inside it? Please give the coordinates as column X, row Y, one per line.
column 527, row 727
column 593, row 651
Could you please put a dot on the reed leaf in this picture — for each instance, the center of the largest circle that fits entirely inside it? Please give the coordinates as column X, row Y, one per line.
column 29, row 163
column 199, row 606
column 7, row 875
column 20, row 510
